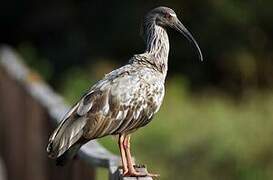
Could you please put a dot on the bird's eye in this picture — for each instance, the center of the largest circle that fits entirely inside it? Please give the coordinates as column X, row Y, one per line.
column 168, row 15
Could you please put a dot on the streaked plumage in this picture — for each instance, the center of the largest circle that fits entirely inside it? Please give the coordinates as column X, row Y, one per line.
column 125, row 99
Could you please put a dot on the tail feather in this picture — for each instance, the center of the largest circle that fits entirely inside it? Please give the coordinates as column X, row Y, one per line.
column 68, row 155
column 64, row 142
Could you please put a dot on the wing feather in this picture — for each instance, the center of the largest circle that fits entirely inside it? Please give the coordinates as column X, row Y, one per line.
column 66, row 134
column 120, row 103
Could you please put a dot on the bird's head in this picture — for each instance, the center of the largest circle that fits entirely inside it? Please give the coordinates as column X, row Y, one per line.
column 166, row 17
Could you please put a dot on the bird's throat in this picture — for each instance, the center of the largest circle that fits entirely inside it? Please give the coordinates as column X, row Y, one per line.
column 157, row 45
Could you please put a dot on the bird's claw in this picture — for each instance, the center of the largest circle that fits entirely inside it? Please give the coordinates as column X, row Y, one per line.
column 125, row 171
column 134, row 173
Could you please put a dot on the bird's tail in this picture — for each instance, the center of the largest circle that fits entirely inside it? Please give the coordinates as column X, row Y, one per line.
column 67, row 139
column 68, row 155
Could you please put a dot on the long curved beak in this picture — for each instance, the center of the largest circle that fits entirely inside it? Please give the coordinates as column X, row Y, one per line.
column 182, row 29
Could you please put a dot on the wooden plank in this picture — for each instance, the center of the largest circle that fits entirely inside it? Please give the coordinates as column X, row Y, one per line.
column 82, row 171
column 13, row 116
column 2, row 170
column 31, row 162
column 35, row 141
column 2, row 127
column 92, row 152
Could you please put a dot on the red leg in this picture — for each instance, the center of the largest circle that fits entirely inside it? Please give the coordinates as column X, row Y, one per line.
column 131, row 170
column 122, row 153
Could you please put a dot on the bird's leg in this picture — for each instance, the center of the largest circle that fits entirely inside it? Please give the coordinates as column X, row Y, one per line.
column 127, row 145
column 131, row 170
column 122, row 153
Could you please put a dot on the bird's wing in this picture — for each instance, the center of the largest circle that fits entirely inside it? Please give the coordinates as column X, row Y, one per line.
column 119, row 103
column 118, row 106
column 66, row 134
column 71, row 128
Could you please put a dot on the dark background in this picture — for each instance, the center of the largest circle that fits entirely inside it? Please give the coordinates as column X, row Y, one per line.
column 235, row 37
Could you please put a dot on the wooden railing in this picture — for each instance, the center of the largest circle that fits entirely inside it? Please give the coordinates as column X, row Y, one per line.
column 2, row 170
column 29, row 111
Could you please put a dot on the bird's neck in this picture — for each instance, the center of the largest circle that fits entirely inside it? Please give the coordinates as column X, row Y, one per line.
column 157, row 45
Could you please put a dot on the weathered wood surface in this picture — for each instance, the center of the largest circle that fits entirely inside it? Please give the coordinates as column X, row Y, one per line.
column 30, row 109
column 117, row 175
column 2, row 170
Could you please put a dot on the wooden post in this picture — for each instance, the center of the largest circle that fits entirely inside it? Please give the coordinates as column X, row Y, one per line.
column 117, row 174
column 13, row 108
column 2, row 170
column 26, row 128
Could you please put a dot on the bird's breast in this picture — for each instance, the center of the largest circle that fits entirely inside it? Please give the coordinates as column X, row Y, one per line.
column 123, row 103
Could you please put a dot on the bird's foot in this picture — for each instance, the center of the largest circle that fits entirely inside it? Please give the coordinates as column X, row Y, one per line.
column 125, row 171
column 134, row 173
